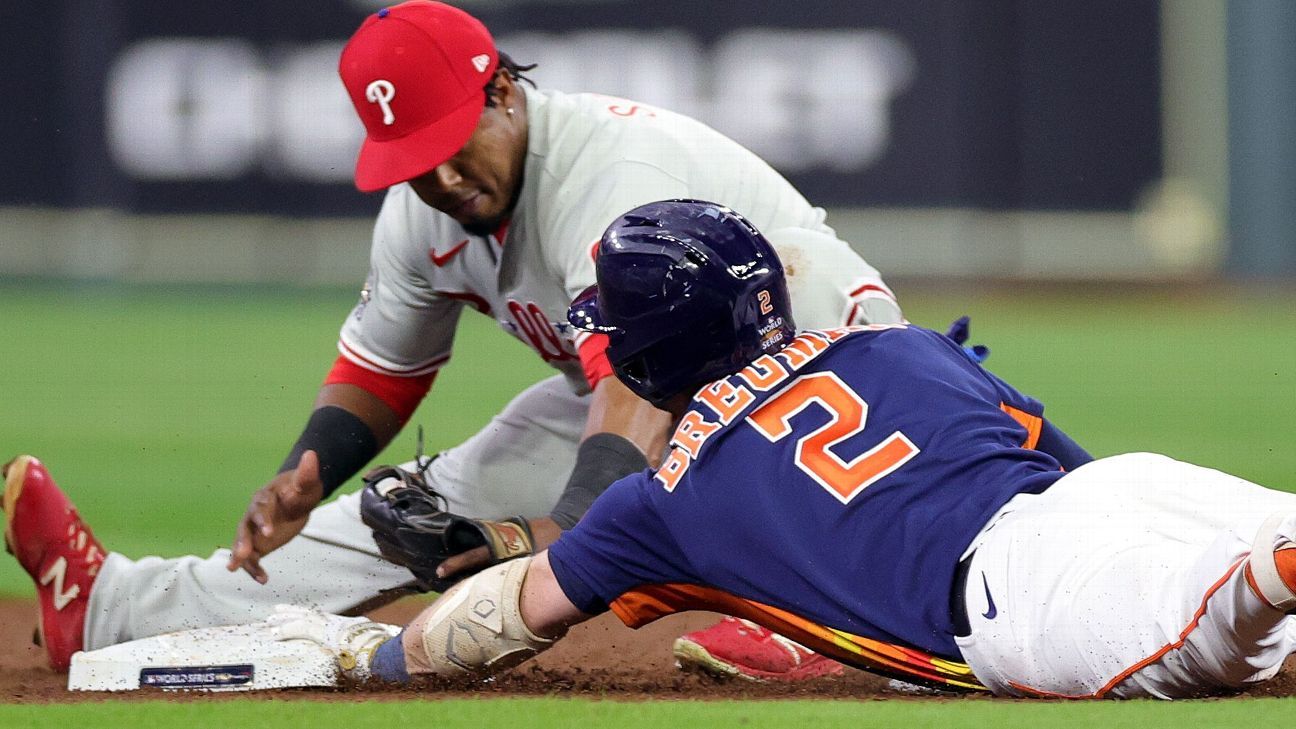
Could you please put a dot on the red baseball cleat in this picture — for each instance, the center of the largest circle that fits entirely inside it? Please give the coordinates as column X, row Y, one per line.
column 42, row 529
column 741, row 648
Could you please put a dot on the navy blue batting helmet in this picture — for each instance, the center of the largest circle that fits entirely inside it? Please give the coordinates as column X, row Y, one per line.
column 688, row 292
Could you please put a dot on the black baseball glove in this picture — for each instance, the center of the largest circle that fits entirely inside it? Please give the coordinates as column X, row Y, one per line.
column 413, row 529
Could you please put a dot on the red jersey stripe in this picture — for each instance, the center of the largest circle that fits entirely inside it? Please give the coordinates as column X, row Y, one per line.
column 866, row 288
column 401, row 394
column 593, row 357
column 350, row 353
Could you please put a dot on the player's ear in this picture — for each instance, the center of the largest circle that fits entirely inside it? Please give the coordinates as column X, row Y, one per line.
column 502, row 89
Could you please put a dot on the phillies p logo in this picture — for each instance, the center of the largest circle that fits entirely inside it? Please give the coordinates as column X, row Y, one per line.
column 381, row 92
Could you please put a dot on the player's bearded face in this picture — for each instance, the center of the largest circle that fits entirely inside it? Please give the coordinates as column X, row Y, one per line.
column 478, row 186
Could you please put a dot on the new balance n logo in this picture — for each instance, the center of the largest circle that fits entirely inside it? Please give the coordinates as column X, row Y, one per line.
column 57, row 573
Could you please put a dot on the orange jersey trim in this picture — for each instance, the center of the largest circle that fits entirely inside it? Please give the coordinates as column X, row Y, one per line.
column 1032, row 423
column 647, row 603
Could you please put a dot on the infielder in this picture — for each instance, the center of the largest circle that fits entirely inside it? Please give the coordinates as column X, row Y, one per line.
column 874, row 493
column 496, row 196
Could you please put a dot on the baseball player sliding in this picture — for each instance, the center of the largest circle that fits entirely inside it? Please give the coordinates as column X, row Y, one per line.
column 872, row 492
column 496, row 196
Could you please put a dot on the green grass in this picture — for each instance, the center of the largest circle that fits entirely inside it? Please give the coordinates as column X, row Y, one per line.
column 1210, row 380
column 160, row 410
column 541, row 713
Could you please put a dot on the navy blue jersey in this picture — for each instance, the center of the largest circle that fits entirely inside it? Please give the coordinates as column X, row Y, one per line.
column 839, row 480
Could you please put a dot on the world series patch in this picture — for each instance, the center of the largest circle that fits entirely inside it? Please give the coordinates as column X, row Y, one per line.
column 186, row 677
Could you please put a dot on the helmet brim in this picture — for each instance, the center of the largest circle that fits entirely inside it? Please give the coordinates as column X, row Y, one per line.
column 584, row 313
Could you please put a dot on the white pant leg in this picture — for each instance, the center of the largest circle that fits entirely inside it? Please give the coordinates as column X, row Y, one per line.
column 1125, row 579
column 517, row 464
column 332, row 565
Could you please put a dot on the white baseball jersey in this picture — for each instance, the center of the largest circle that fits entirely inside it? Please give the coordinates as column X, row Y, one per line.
column 590, row 158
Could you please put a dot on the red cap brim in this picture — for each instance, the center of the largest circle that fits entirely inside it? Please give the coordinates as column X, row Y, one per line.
column 383, row 164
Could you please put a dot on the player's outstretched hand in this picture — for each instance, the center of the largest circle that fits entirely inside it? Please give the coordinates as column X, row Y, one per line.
column 277, row 512
column 412, row 528
column 352, row 641
column 544, row 531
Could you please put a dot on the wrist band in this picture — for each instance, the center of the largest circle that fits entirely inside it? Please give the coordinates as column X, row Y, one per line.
column 343, row 442
column 600, row 461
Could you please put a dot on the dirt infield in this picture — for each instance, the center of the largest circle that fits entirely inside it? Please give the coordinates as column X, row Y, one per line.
column 602, row 659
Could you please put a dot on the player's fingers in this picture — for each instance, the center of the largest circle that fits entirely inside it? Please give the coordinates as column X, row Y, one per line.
column 303, row 489
column 262, row 519
column 235, row 561
column 464, row 562
column 242, row 548
column 307, row 473
column 252, row 566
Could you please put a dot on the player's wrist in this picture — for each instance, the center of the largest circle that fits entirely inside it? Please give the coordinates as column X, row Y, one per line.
column 601, row 460
column 544, row 531
column 343, row 442
column 388, row 661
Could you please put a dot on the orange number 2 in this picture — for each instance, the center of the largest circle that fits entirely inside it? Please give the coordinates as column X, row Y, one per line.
column 813, row 455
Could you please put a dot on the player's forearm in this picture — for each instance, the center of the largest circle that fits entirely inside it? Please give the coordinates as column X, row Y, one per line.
column 601, row 461
column 450, row 638
column 369, row 408
column 623, row 435
column 347, row 428
column 615, row 409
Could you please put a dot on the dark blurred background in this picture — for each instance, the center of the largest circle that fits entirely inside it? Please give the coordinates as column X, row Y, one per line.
column 1115, row 139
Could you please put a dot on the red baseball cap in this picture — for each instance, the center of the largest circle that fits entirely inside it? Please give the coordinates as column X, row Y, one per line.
column 416, row 73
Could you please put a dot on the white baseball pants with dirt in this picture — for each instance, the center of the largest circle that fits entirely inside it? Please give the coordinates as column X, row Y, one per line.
column 1125, row 579
column 518, row 464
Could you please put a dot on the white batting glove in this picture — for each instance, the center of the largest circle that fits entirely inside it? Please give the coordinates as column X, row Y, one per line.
column 351, row 640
